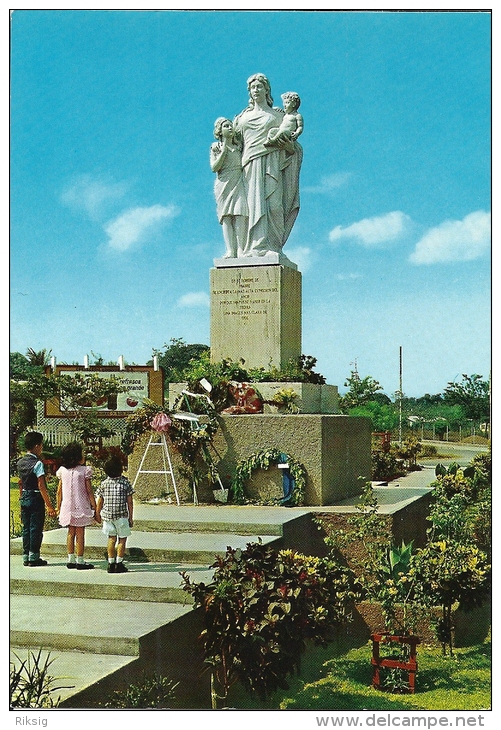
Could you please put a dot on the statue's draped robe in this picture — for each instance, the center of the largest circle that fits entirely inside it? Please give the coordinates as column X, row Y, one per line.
column 271, row 177
column 229, row 188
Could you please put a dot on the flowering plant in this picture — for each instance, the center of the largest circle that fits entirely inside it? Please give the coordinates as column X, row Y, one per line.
column 260, row 608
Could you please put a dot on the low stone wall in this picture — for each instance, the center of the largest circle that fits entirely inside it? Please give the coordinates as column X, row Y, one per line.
column 406, row 524
column 469, row 628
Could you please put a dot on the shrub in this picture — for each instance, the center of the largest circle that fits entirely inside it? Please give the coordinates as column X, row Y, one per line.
column 30, row 684
column 428, row 451
column 384, row 571
column 409, row 451
column 453, row 567
column 260, row 609
column 447, row 571
column 384, row 464
column 155, row 692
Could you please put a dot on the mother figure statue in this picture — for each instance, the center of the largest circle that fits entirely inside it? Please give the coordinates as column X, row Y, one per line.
column 271, row 172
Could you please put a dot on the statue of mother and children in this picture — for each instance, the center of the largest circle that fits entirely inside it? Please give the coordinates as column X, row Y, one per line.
column 257, row 160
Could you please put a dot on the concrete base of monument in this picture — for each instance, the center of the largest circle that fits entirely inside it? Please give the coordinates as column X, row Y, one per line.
column 335, row 451
column 310, row 397
column 268, row 259
column 255, row 314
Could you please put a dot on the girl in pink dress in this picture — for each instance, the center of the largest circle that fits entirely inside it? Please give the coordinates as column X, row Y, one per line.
column 75, row 502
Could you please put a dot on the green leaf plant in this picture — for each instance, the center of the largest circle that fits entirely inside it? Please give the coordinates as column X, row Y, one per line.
column 261, row 608
column 384, row 571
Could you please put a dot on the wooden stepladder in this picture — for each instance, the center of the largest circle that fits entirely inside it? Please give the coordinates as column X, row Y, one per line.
column 167, row 470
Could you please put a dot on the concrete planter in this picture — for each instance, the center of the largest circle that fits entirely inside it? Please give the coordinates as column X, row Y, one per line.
column 311, row 397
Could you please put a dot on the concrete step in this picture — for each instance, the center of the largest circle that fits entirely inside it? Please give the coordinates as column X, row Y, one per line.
column 238, row 519
column 152, row 582
column 104, row 630
column 88, row 624
column 161, row 547
column 100, row 645
column 76, row 672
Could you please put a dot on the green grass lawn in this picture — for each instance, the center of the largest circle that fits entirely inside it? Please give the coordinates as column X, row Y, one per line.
column 336, row 677
column 14, row 508
column 51, row 523
column 461, row 682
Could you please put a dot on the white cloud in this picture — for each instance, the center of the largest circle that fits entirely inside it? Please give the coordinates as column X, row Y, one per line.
column 348, row 277
column 132, row 226
column 92, row 194
column 301, row 255
column 194, row 299
column 455, row 240
column 328, row 183
column 373, row 232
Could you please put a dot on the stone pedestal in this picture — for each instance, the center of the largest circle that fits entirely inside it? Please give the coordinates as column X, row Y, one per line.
column 255, row 314
column 335, row 450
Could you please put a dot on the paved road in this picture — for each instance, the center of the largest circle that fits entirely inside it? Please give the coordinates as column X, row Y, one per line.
column 461, row 453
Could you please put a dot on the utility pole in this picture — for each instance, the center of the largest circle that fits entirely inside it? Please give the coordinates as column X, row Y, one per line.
column 400, row 402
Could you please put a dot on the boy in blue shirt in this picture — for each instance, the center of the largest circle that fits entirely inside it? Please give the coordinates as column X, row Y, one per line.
column 34, row 498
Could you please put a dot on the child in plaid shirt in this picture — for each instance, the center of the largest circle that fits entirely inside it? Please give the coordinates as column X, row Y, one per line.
column 114, row 509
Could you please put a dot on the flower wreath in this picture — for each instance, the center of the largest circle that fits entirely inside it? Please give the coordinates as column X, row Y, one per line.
column 263, row 460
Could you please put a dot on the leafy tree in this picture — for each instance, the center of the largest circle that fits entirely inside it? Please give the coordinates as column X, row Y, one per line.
column 19, row 366
column 360, row 391
column 176, row 357
column 23, row 398
column 79, row 395
column 40, row 358
column 22, row 366
column 423, row 401
column 429, row 413
column 472, row 394
column 383, row 417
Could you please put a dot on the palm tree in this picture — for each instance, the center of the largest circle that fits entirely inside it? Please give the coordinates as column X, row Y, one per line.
column 38, row 358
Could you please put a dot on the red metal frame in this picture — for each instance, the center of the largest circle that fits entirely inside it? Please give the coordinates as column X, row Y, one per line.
column 378, row 663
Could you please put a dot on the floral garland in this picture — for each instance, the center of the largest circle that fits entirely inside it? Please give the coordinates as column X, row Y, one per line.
column 263, row 460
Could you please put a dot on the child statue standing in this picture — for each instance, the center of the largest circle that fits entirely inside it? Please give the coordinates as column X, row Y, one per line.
column 229, row 190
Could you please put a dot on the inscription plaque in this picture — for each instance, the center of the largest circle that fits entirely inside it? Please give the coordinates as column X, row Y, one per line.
column 256, row 315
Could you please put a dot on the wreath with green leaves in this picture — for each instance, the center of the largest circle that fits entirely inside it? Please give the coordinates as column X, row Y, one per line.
column 263, row 460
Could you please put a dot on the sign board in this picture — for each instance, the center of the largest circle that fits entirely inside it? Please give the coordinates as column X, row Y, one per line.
column 141, row 381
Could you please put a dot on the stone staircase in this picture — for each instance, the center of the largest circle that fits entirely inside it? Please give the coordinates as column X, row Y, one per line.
column 103, row 631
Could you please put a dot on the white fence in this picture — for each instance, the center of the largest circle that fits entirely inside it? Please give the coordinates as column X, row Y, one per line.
column 60, row 438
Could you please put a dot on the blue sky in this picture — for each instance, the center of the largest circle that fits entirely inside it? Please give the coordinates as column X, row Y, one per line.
column 113, row 223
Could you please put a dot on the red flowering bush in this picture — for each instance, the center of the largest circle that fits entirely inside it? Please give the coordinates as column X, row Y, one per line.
column 260, row 609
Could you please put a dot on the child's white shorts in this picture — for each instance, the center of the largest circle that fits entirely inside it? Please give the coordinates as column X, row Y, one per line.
column 117, row 528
